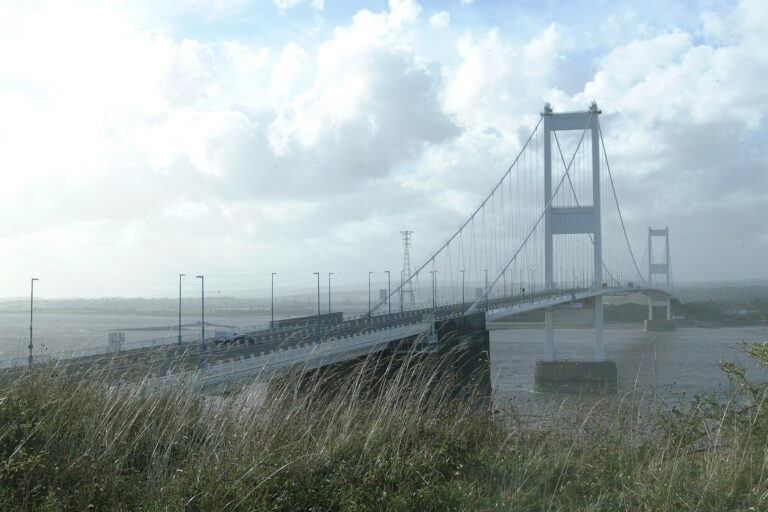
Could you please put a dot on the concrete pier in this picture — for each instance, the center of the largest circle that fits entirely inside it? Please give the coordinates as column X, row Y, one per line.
column 464, row 355
column 660, row 325
column 575, row 376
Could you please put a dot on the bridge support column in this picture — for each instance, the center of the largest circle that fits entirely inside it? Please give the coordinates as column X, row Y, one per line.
column 576, row 219
column 662, row 322
column 599, row 344
column 549, row 336
column 661, row 268
column 566, row 376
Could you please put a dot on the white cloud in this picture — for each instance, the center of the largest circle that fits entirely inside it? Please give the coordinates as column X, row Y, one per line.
column 285, row 4
column 124, row 138
column 291, row 73
column 403, row 11
column 440, row 19
column 205, row 140
column 495, row 79
column 368, row 97
column 681, row 114
column 191, row 73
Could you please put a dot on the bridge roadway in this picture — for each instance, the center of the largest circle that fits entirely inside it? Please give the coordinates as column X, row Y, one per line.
column 185, row 357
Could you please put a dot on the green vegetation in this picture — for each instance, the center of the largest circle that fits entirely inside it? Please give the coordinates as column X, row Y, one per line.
column 80, row 443
column 715, row 313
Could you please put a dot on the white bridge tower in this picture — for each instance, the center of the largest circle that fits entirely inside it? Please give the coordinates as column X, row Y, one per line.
column 583, row 219
column 660, row 268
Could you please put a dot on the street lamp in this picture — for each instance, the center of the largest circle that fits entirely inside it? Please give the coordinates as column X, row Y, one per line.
column 369, row 294
column 180, row 276
column 329, row 295
column 463, row 305
column 272, row 321
column 486, row 288
column 31, row 307
column 389, row 301
column 202, row 325
column 318, row 305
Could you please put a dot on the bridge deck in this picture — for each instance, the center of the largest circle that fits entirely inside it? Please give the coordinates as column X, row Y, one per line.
column 275, row 349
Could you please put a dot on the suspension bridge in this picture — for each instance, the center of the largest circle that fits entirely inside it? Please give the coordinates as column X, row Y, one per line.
column 549, row 235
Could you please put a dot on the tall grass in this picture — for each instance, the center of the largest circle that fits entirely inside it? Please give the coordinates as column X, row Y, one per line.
column 333, row 441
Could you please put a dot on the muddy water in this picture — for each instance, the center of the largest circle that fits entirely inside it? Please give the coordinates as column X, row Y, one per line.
column 669, row 366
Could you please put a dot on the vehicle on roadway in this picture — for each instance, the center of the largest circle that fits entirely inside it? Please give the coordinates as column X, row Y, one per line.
column 222, row 337
column 244, row 338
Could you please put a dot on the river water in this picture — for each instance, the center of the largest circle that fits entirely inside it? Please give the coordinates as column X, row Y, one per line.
column 673, row 366
column 57, row 332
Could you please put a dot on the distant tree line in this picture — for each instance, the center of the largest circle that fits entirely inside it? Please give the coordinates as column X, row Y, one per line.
column 695, row 313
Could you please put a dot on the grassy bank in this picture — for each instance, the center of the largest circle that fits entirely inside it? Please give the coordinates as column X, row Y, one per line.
column 79, row 444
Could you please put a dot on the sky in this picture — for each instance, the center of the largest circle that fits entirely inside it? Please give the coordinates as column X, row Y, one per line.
column 232, row 138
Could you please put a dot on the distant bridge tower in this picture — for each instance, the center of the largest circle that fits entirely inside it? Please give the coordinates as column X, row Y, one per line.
column 406, row 290
column 659, row 269
column 582, row 219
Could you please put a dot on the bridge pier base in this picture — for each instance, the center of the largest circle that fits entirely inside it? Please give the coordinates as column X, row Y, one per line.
column 575, row 376
column 658, row 305
column 660, row 325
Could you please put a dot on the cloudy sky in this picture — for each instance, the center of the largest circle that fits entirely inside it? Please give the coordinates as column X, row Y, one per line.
column 238, row 138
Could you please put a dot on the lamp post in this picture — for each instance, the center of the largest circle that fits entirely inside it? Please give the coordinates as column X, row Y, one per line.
column 463, row 305
column 180, row 276
column 31, row 308
column 329, row 295
column 202, row 316
column 486, row 288
column 272, row 318
column 369, row 294
column 389, row 299
column 318, row 305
